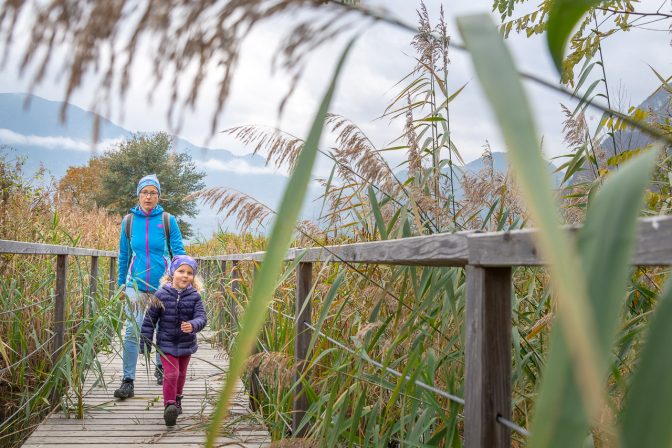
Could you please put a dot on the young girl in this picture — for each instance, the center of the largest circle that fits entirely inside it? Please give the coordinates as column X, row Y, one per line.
column 178, row 309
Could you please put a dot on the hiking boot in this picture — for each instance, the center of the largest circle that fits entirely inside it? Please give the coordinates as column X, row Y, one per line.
column 170, row 415
column 178, row 403
column 158, row 374
column 126, row 390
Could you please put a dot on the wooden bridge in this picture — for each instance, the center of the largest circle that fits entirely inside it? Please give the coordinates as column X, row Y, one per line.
column 138, row 421
column 488, row 259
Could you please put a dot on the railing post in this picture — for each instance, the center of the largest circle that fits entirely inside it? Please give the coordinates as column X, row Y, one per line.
column 93, row 283
column 303, row 334
column 112, row 278
column 59, row 305
column 255, row 387
column 222, row 290
column 235, row 290
column 488, row 357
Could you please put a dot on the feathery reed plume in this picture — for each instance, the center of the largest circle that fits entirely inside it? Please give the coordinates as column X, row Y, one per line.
column 281, row 148
column 577, row 135
column 190, row 40
column 444, row 42
column 274, row 368
column 309, row 233
column 488, row 188
column 247, row 210
column 414, row 157
column 356, row 151
column 574, row 128
column 423, row 42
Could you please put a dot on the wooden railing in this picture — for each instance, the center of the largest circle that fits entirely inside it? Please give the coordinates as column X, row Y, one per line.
column 488, row 259
column 62, row 253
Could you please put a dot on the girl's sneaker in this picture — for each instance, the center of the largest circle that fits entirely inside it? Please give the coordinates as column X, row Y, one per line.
column 178, row 403
column 170, row 414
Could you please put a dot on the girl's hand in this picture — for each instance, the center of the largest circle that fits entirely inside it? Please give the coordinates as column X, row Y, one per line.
column 186, row 327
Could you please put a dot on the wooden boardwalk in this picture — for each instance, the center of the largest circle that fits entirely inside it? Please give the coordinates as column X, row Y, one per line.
column 138, row 422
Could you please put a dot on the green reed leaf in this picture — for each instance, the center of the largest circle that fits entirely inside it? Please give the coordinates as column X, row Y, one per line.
column 278, row 245
column 647, row 412
column 377, row 214
column 562, row 18
column 606, row 243
column 501, row 83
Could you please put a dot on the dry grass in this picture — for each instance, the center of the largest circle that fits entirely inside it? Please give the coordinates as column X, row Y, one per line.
column 281, row 148
column 249, row 212
column 357, row 158
column 486, row 189
column 273, row 368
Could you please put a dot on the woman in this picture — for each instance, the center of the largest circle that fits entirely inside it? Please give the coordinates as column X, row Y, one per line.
column 144, row 256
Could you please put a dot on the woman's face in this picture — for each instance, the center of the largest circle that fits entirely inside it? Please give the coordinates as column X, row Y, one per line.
column 183, row 276
column 149, row 197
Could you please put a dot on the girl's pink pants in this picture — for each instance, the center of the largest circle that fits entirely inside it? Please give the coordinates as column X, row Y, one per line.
column 174, row 376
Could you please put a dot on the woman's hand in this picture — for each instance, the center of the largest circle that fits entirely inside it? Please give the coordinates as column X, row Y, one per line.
column 186, row 327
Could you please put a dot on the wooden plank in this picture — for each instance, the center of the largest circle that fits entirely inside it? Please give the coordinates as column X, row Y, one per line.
column 488, row 357
column 304, row 280
column 518, row 248
column 448, row 249
column 138, row 421
column 24, row 248
column 59, row 304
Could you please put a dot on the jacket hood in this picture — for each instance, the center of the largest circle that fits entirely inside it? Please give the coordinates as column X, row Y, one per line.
column 137, row 210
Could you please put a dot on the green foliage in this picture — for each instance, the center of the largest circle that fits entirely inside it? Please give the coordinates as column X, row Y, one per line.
column 572, row 390
column 560, row 19
column 279, row 242
column 145, row 154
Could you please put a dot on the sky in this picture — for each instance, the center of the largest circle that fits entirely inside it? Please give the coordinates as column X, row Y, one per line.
column 381, row 57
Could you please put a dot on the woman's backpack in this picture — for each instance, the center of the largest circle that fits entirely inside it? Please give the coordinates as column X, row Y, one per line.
column 127, row 224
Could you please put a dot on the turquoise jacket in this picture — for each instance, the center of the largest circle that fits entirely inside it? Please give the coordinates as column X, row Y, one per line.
column 146, row 260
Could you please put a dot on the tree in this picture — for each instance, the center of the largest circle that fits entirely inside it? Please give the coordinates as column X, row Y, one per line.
column 145, row 154
column 84, row 184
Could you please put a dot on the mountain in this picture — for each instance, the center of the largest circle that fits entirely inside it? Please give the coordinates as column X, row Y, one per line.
column 658, row 106
column 36, row 133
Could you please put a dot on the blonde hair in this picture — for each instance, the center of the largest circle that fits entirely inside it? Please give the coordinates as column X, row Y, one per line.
column 197, row 283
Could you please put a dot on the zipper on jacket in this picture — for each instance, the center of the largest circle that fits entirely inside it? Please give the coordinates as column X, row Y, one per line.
column 149, row 265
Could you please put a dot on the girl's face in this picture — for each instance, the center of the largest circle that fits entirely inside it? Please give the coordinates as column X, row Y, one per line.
column 149, row 197
column 183, row 276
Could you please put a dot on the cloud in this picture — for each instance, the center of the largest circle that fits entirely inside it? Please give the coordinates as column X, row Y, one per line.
column 237, row 166
column 54, row 143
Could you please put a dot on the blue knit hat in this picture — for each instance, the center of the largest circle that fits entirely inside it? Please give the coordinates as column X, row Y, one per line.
column 148, row 180
column 179, row 260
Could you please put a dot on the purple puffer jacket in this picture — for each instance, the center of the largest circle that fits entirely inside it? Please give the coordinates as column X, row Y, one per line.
column 177, row 307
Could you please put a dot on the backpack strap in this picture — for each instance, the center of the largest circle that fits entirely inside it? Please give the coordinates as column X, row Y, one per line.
column 128, row 228
column 166, row 232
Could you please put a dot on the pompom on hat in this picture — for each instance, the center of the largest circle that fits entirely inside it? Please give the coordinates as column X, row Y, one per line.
column 179, row 260
column 148, row 180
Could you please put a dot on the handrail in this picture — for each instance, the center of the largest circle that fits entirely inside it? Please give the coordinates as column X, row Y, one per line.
column 61, row 254
column 488, row 259
column 25, row 248
column 446, row 249
column 508, row 248
column 491, row 249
